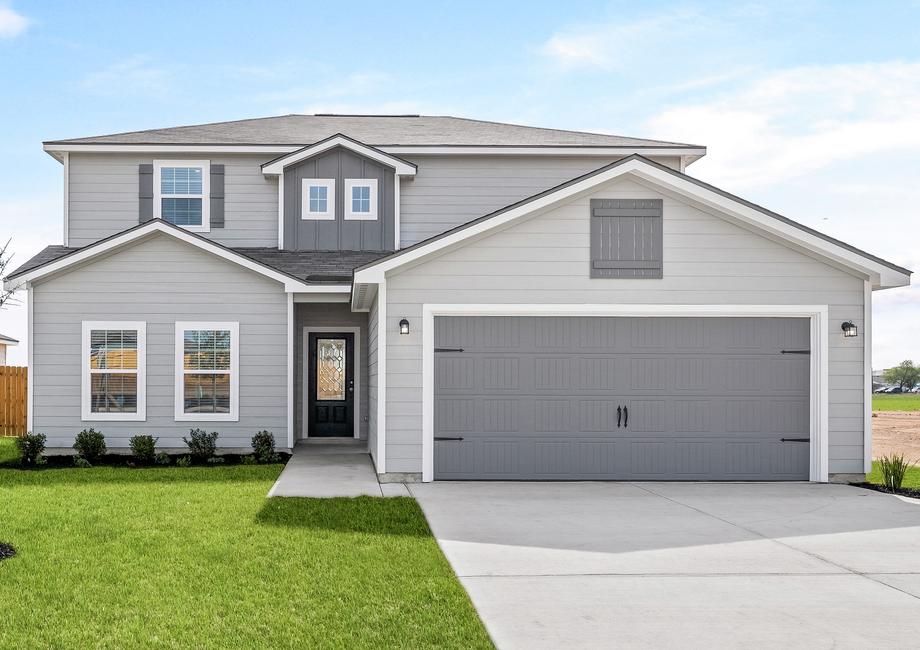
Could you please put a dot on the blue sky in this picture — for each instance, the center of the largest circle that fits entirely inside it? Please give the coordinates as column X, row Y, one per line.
column 809, row 108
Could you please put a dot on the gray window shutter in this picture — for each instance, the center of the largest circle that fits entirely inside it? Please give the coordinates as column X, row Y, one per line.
column 145, row 192
column 217, row 196
column 626, row 238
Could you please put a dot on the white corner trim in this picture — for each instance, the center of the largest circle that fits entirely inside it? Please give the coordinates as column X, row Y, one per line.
column 350, row 184
column 817, row 314
column 644, row 170
column 30, row 347
column 307, row 383
column 158, row 225
column 290, row 370
column 65, row 158
column 867, row 370
column 277, row 166
column 382, row 354
column 140, row 415
column 397, row 192
column 305, row 212
column 205, row 191
column 234, row 414
column 281, row 212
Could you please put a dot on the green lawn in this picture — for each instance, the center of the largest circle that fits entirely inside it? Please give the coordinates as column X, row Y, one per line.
column 911, row 479
column 199, row 558
column 901, row 402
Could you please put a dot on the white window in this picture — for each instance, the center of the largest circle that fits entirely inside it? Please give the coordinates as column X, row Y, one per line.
column 114, row 370
column 207, row 371
column 181, row 193
column 361, row 199
column 318, row 199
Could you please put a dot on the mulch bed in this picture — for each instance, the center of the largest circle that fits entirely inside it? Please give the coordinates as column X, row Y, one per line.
column 124, row 460
column 904, row 492
column 6, row 551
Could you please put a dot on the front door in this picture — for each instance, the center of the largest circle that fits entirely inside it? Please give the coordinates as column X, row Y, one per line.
column 331, row 385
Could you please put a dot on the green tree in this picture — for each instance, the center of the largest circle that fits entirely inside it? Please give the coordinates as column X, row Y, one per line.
column 905, row 374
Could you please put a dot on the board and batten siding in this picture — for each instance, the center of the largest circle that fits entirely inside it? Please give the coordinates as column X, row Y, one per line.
column 450, row 190
column 707, row 260
column 160, row 281
column 104, row 197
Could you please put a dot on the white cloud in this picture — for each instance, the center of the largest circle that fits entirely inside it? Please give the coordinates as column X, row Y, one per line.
column 12, row 24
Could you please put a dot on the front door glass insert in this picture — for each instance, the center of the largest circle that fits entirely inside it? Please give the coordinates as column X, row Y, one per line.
column 330, row 369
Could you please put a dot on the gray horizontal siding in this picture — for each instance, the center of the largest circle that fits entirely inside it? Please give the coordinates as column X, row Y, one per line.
column 545, row 260
column 135, row 284
column 372, row 381
column 103, row 197
column 450, row 190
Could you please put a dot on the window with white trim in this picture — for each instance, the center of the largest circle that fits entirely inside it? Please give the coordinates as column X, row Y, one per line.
column 182, row 193
column 207, row 375
column 114, row 370
column 361, row 199
column 318, row 199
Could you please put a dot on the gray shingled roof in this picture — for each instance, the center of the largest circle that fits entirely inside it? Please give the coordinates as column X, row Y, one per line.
column 375, row 130
column 310, row 266
column 7, row 339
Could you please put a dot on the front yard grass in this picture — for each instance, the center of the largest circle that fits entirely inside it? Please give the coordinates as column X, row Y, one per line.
column 898, row 402
column 199, row 558
column 911, row 478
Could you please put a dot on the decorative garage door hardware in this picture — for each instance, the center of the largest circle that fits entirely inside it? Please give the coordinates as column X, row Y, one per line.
column 624, row 411
column 448, row 349
column 448, row 438
column 795, row 351
column 795, row 439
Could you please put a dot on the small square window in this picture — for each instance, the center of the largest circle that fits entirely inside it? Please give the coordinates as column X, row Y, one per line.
column 361, row 199
column 318, row 199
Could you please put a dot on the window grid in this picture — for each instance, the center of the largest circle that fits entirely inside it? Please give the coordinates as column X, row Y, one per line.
column 182, row 193
column 319, row 195
column 206, row 371
column 361, row 199
column 112, row 353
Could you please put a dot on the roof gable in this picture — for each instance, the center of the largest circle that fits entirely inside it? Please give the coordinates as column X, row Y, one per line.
column 277, row 166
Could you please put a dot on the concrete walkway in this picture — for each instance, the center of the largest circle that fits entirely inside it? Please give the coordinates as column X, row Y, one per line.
column 682, row 565
column 332, row 468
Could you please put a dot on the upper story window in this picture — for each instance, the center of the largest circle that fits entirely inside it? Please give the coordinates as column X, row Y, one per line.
column 318, row 199
column 114, row 370
column 181, row 193
column 361, row 199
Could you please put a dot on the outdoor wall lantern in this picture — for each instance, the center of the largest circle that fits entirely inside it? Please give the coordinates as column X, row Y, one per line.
column 849, row 328
column 404, row 327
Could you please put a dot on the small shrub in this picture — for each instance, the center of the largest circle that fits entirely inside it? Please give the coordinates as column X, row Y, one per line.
column 162, row 458
column 184, row 461
column 263, row 444
column 79, row 461
column 216, row 460
column 90, row 444
column 31, row 447
column 893, row 467
column 144, row 448
column 247, row 460
column 201, row 444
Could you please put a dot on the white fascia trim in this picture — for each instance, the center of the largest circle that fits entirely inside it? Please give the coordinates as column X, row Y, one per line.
column 818, row 389
column 140, row 415
column 882, row 275
column 277, row 167
column 65, row 158
column 234, row 414
column 308, row 384
column 867, row 370
column 382, row 354
column 204, row 196
column 157, row 225
column 350, row 184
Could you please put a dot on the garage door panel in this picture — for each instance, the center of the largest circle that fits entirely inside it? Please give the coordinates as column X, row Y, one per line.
column 536, row 398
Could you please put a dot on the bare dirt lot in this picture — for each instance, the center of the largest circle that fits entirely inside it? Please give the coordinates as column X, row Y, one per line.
column 896, row 432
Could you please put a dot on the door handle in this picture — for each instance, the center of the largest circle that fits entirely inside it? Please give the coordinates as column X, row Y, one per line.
column 625, row 417
column 619, row 415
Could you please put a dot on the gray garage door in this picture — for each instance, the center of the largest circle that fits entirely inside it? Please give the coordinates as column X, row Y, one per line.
column 621, row 398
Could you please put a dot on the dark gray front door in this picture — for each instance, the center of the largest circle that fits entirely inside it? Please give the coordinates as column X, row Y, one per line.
column 540, row 398
column 331, row 399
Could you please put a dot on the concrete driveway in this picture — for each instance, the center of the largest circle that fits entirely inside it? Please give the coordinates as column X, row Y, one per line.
column 590, row 565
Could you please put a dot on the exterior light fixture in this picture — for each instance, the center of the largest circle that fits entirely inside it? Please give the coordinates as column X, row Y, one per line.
column 849, row 328
column 404, row 326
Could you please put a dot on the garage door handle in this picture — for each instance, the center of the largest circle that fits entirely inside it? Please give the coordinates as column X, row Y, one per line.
column 448, row 349
column 625, row 417
column 795, row 439
column 619, row 415
column 447, row 438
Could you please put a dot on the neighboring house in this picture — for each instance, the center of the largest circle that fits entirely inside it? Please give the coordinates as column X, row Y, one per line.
column 476, row 300
column 6, row 342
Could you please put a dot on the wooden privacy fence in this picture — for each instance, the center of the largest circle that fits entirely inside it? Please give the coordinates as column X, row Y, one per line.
column 13, row 395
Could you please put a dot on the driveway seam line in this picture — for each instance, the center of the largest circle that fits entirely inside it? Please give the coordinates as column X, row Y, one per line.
column 776, row 541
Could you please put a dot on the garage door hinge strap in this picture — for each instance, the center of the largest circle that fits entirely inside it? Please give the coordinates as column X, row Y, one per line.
column 447, row 438
column 795, row 351
column 448, row 349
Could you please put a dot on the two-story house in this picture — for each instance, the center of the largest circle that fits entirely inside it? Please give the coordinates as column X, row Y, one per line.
column 476, row 300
